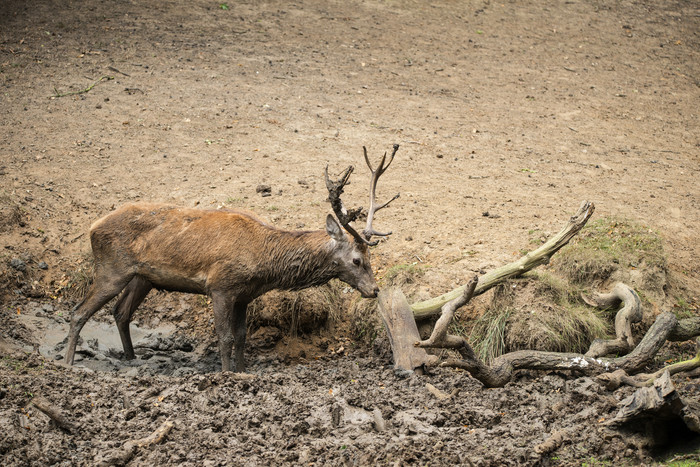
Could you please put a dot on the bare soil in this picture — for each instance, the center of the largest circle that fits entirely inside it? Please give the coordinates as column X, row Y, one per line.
column 508, row 116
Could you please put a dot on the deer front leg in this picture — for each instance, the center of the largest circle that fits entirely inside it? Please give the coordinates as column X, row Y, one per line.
column 104, row 288
column 239, row 333
column 223, row 323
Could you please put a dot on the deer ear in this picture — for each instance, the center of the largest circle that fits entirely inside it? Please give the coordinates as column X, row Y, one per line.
column 334, row 229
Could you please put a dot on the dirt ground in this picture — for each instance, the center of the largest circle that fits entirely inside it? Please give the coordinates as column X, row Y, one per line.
column 509, row 115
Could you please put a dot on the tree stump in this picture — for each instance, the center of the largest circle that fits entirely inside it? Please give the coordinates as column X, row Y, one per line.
column 403, row 331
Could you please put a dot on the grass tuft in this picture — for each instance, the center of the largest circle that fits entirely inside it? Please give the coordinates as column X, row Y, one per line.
column 606, row 245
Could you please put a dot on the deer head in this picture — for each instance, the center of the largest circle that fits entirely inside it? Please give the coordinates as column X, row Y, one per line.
column 353, row 259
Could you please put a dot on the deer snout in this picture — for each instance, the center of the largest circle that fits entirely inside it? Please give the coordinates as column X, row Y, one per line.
column 371, row 293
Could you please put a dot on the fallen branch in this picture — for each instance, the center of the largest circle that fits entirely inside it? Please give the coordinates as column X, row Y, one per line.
column 553, row 442
column 619, row 377
column 439, row 336
column 82, row 91
column 54, row 414
column 441, row 395
column 129, row 449
column 531, row 260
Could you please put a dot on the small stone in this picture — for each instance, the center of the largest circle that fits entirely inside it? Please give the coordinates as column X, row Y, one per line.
column 264, row 190
column 43, row 265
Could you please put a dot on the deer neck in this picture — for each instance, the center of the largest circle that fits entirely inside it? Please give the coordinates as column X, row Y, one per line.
column 300, row 260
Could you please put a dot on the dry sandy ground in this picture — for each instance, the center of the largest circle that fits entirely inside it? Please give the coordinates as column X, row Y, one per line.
column 518, row 109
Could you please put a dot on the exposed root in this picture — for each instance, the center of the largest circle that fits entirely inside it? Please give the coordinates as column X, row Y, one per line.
column 630, row 313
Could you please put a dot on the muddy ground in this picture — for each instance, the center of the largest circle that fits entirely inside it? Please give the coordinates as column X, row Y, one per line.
column 508, row 116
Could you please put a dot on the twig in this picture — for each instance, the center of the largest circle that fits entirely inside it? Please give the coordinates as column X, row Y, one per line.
column 53, row 413
column 440, row 394
column 111, row 68
column 128, row 451
column 82, row 91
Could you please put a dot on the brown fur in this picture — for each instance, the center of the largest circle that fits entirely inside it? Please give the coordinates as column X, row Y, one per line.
column 229, row 255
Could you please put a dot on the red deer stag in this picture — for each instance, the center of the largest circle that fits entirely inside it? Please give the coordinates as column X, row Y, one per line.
column 229, row 255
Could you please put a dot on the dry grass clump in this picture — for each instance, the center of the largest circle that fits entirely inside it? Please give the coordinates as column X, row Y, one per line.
column 539, row 312
column 75, row 285
column 298, row 312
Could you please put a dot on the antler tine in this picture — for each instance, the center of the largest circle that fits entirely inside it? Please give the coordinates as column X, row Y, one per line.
column 335, row 189
column 369, row 232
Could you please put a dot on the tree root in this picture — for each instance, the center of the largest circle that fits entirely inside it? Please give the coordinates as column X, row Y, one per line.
column 617, row 378
column 501, row 369
column 630, row 313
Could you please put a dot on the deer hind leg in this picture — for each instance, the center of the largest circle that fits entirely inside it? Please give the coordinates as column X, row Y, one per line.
column 239, row 333
column 104, row 288
column 133, row 295
column 223, row 319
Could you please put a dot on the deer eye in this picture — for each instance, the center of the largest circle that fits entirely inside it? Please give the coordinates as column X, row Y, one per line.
column 356, row 261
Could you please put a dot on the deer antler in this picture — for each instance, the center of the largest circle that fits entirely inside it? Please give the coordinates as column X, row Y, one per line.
column 335, row 189
column 369, row 231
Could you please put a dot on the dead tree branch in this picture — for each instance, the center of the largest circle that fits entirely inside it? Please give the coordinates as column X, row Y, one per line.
column 531, row 260
column 439, row 336
column 82, row 91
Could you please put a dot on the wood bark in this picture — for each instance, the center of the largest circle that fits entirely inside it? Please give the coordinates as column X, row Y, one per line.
column 402, row 331
column 657, row 403
column 531, row 260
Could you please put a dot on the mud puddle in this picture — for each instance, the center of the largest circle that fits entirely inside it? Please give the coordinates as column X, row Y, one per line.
column 158, row 350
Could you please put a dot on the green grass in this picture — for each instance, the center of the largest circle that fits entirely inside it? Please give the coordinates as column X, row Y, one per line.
column 488, row 334
column 607, row 244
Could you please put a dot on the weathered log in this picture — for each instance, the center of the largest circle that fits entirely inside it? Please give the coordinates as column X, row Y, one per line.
column 531, row 260
column 402, row 331
column 630, row 313
column 657, row 403
column 685, row 330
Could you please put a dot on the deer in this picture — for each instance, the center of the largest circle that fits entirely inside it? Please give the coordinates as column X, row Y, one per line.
column 229, row 255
